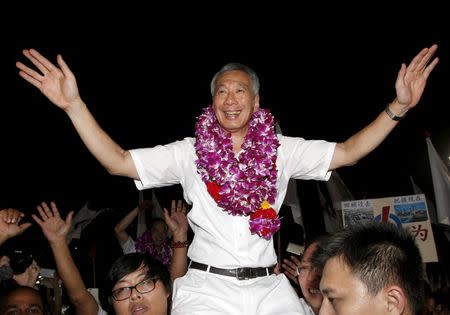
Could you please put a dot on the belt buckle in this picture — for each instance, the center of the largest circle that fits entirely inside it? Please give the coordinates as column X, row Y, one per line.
column 244, row 273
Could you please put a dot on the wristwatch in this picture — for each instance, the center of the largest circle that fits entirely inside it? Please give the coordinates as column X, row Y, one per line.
column 392, row 115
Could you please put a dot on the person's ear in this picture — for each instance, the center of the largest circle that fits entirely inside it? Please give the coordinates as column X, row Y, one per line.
column 396, row 300
column 256, row 107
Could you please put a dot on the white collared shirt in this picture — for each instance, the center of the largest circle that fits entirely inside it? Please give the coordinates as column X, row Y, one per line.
column 306, row 308
column 220, row 239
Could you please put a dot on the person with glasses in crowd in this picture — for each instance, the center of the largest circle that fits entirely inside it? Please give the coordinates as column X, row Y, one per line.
column 138, row 284
column 131, row 278
column 306, row 274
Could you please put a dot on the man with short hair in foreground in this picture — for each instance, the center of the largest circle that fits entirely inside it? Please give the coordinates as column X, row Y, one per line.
column 371, row 269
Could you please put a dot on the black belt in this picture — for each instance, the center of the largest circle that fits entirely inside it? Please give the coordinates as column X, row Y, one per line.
column 239, row 273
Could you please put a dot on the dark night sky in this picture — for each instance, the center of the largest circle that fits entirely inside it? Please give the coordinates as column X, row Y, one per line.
column 145, row 82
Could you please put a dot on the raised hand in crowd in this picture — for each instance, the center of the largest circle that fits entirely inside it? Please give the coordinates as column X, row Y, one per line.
column 177, row 222
column 53, row 226
column 125, row 240
column 290, row 267
column 55, row 230
column 10, row 224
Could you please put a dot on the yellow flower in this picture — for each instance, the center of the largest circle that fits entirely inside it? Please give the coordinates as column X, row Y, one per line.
column 265, row 205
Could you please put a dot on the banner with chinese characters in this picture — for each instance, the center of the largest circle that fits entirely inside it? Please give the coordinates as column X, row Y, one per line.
column 409, row 212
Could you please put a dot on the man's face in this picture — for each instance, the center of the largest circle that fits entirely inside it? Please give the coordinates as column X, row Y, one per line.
column 24, row 301
column 345, row 294
column 150, row 303
column 309, row 279
column 234, row 101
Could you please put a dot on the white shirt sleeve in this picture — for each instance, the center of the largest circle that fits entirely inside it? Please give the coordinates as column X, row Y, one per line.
column 161, row 165
column 306, row 159
column 128, row 246
column 101, row 311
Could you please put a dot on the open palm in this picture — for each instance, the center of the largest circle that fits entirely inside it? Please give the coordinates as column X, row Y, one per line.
column 51, row 223
column 411, row 79
column 177, row 220
column 57, row 84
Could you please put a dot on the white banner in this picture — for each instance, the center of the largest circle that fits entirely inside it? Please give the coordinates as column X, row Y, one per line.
column 409, row 212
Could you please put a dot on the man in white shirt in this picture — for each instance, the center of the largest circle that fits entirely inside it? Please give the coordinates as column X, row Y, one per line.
column 235, row 174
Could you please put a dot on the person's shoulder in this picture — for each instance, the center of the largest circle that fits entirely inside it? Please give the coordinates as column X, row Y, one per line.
column 185, row 143
column 287, row 140
column 189, row 140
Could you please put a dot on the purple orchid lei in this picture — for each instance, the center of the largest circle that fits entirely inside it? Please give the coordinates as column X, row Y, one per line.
column 145, row 244
column 245, row 185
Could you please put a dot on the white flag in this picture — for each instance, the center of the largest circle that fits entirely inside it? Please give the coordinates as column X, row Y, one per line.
column 292, row 200
column 338, row 192
column 441, row 184
column 141, row 226
column 157, row 211
column 431, row 209
column 80, row 220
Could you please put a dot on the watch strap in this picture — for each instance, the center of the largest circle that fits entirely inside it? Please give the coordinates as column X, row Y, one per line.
column 392, row 115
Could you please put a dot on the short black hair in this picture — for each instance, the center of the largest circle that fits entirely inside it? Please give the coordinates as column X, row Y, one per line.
column 380, row 254
column 129, row 263
column 4, row 295
column 20, row 261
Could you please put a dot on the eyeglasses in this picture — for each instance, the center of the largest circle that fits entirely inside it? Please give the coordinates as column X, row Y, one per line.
column 145, row 286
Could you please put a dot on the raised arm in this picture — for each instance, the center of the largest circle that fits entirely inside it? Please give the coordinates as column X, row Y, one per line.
column 409, row 86
column 120, row 228
column 55, row 230
column 59, row 85
column 176, row 220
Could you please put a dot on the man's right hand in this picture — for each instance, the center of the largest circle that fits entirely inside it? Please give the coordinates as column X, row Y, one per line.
column 57, row 84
